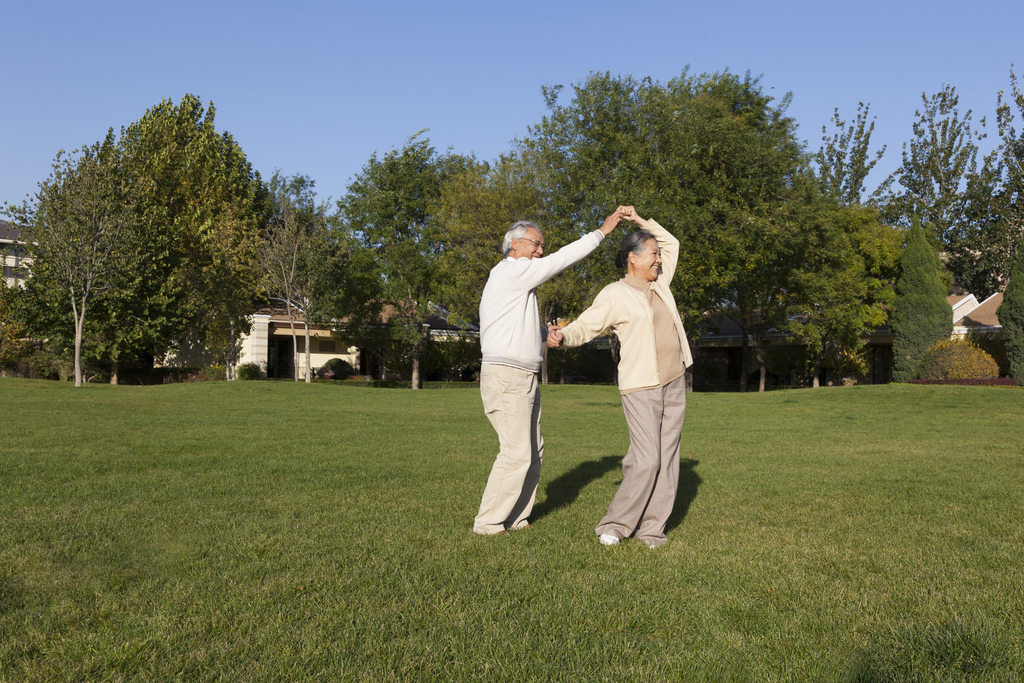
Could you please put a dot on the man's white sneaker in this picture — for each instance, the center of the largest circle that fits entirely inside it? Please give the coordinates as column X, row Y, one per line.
column 608, row 539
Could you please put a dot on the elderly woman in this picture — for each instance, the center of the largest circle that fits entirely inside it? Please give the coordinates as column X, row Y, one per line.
column 653, row 359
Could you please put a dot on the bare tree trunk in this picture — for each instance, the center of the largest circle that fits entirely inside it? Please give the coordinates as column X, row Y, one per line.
column 544, row 364
column 309, row 370
column 232, row 359
column 760, row 364
column 79, row 324
column 561, row 371
column 416, row 365
column 113, row 373
column 817, row 372
column 744, row 359
column 295, row 342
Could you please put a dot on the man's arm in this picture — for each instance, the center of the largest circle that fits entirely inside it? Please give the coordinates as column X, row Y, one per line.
column 535, row 272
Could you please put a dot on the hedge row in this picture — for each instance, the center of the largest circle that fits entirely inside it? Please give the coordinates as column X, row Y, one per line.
column 397, row 384
column 990, row 382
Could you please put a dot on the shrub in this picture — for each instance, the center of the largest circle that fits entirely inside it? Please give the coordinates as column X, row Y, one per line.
column 957, row 359
column 995, row 346
column 338, row 368
column 990, row 382
column 249, row 371
column 215, row 373
column 46, row 365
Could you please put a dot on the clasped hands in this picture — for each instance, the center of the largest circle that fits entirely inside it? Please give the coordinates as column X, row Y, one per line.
column 620, row 214
column 554, row 336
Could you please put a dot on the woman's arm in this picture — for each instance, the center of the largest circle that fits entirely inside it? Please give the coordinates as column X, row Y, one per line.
column 590, row 324
column 667, row 242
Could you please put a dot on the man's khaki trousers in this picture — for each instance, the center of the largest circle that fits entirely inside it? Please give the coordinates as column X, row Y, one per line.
column 511, row 400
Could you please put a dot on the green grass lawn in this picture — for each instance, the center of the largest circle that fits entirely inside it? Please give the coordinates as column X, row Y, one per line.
column 265, row 531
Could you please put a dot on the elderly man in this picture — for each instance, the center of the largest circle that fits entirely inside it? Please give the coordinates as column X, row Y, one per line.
column 510, row 338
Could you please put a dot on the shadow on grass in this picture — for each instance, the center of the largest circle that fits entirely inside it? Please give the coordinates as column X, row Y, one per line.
column 689, row 482
column 948, row 652
column 10, row 596
column 564, row 490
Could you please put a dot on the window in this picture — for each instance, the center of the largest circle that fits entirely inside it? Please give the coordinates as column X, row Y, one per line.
column 328, row 346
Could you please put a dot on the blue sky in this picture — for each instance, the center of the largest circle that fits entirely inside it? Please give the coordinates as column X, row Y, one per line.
column 317, row 87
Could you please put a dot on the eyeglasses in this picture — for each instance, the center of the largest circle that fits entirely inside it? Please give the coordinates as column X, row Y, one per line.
column 536, row 244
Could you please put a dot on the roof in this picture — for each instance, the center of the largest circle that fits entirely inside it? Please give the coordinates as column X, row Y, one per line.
column 9, row 233
column 962, row 304
column 984, row 315
column 279, row 316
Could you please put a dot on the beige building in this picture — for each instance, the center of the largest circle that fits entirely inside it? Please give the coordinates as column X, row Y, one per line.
column 13, row 253
column 270, row 345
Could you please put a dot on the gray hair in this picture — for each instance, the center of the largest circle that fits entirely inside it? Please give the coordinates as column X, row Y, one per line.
column 516, row 232
column 633, row 243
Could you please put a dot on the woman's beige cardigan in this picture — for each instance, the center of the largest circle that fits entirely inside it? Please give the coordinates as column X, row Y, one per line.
column 625, row 311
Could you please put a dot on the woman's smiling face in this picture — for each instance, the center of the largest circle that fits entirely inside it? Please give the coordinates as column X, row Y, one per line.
column 647, row 264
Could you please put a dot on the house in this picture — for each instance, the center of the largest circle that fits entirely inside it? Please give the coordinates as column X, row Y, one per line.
column 13, row 251
column 270, row 345
column 719, row 353
column 971, row 316
column 719, row 347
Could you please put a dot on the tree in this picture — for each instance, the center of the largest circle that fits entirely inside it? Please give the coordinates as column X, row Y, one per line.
column 756, row 204
column 842, row 161
column 13, row 346
column 293, row 248
column 202, row 207
column 987, row 243
column 711, row 157
column 79, row 231
column 473, row 212
column 475, row 209
column 846, row 286
column 229, row 280
column 388, row 207
column 922, row 316
column 940, row 182
column 936, row 164
column 1011, row 316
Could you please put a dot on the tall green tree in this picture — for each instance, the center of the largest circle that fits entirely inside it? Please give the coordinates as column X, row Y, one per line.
column 80, row 232
column 921, row 316
column 844, row 161
column 388, row 206
column 712, row 157
column 203, row 208
column 987, row 243
column 1011, row 316
column 846, row 287
column 474, row 210
column 940, row 181
column 937, row 163
column 296, row 255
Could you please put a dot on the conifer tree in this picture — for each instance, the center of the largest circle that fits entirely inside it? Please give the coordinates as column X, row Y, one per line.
column 922, row 315
column 1011, row 316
